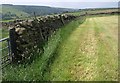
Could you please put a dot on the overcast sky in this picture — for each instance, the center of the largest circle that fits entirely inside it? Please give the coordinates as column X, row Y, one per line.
column 66, row 3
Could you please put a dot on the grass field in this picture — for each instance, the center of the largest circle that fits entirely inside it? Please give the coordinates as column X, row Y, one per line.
column 81, row 12
column 86, row 51
column 90, row 52
column 4, row 33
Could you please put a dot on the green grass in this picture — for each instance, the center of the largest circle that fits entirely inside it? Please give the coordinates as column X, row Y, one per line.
column 108, row 47
column 90, row 53
column 92, row 11
column 7, row 20
column 6, row 9
column 4, row 33
column 37, row 69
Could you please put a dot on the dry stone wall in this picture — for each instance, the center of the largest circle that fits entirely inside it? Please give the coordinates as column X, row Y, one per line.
column 31, row 34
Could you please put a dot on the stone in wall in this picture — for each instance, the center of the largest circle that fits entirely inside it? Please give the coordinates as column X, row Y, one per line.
column 31, row 34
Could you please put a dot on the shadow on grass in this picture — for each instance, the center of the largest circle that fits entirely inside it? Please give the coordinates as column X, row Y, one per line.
column 64, row 36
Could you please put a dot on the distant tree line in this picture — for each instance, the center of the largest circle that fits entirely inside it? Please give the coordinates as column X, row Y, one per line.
column 8, row 16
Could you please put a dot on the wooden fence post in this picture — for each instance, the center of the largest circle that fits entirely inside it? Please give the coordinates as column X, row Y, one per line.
column 13, row 45
column 62, row 20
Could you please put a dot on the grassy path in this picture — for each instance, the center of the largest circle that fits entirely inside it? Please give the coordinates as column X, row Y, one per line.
column 90, row 52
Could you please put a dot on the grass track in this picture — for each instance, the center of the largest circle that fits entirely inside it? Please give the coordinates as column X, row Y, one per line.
column 90, row 52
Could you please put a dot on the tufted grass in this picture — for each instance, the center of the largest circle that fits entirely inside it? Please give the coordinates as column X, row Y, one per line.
column 3, row 34
column 36, row 70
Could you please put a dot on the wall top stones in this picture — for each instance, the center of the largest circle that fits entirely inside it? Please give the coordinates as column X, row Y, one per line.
column 32, row 34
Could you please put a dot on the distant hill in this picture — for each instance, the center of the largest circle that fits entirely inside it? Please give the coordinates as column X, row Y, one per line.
column 10, row 11
column 93, row 11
